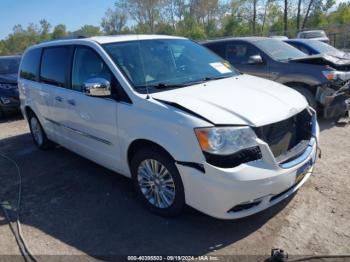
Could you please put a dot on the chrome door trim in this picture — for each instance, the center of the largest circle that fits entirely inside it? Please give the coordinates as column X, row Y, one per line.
column 80, row 132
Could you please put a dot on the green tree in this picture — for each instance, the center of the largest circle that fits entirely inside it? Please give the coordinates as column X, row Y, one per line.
column 44, row 30
column 21, row 38
column 88, row 30
column 59, row 31
column 115, row 20
column 145, row 12
column 341, row 15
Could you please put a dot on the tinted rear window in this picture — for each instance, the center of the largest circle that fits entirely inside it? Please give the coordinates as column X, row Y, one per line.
column 54, row 65
column 218, row 48
column 9, row 65
column 313, row 34
column 30, row 64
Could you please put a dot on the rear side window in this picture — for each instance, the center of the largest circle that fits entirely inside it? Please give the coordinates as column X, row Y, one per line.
column 239, row 53
column 304, row 49
column 30, row 64
column 54, row 65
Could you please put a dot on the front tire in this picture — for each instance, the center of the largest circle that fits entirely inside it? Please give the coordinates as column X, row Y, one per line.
column 158, row 182
column 38, row 133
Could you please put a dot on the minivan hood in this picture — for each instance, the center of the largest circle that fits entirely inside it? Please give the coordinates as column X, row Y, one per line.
column 241, row 100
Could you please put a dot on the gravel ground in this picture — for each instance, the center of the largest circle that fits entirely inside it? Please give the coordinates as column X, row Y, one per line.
column 72, row 206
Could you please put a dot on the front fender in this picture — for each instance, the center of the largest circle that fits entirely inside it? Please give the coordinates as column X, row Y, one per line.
column 161, row 124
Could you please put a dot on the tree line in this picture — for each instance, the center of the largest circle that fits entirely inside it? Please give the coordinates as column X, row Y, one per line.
column 196, row 19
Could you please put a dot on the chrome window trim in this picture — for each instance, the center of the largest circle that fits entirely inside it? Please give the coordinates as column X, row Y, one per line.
column 80, row 132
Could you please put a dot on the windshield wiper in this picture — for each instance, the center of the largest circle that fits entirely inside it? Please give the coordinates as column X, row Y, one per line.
column 160, row 86
column 215, row 77
column 196, row 82
column 165, row 85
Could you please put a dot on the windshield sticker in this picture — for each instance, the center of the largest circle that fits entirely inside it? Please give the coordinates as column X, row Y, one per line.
column 220, row 67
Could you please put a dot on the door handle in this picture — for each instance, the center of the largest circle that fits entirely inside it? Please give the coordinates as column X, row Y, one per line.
column 59, row 99
column 71, row 102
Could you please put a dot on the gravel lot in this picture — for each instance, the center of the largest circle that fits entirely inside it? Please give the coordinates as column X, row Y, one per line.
column 72, row 206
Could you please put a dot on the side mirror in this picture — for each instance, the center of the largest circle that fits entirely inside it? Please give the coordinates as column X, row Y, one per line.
column 97, row 87
column 255, row 59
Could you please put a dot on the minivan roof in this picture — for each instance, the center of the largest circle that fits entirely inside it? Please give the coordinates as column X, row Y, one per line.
column 131, row 37
column 107, row 39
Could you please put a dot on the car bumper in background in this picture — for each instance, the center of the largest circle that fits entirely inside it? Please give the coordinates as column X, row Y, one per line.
column 9, row 104
column 336, row 103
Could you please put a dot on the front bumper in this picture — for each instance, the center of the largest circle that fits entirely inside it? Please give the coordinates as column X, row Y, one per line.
column 263, row 183
column 9, row 104
column 336, row 103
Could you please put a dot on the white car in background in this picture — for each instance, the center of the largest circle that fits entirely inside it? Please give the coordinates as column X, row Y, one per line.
column 319, row 35
column 173, row 116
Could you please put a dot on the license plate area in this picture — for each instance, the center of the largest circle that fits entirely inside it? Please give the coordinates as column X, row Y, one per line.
column 303, row 170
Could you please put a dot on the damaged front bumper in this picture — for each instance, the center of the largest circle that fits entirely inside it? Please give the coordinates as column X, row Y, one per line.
column 335, row 100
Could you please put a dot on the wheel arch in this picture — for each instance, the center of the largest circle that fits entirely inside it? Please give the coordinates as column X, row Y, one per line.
column 292, row 84
column 28, row 110
column 138, row 144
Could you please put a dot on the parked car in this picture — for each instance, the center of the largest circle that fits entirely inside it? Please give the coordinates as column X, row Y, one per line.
column 339, row 60
column 182, row 123
column 319, row 35
column 281, row 37
column 9, row 99
column 325, row 88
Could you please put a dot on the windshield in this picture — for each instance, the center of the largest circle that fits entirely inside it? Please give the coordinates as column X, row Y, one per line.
column 279, row 50
column 321, row 47
column 313, row 34
column 167, row 63
column 9, row 65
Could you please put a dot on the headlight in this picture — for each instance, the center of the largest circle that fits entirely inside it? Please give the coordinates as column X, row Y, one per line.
column 5, row 100
column 336, row 75
column 225, row 140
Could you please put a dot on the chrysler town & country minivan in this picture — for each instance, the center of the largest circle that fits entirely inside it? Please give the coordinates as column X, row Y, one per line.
column 176, row 118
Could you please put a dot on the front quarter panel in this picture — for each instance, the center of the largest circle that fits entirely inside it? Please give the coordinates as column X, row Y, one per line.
column 164, row 125
column 308, row 74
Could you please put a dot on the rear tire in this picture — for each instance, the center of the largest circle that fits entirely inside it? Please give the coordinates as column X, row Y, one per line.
column 157, row 182
column 308, row 95
column 38, row 134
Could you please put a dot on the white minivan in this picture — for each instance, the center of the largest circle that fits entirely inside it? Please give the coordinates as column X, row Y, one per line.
column 186, row 126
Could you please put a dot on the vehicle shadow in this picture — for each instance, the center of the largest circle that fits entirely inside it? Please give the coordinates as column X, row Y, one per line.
column 328, row 123
column 11, row 117
column 96, row 211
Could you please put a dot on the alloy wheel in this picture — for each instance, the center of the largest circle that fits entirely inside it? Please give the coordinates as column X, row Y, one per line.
column 156, row 183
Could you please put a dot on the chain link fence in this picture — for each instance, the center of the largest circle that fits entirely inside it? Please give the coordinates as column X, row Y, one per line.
column 339, row 35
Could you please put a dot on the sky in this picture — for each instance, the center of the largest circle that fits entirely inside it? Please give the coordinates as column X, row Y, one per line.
column 72, row 13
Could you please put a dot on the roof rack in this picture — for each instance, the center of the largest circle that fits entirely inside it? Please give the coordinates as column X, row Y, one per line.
column 73, row 37
column 66, row 38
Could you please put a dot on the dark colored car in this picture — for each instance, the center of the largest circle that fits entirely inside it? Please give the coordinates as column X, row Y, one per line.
column 340, row 60
column 325, row 88
column 9, row 98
